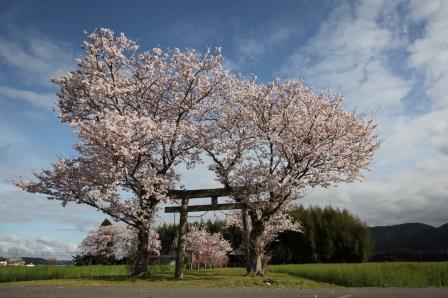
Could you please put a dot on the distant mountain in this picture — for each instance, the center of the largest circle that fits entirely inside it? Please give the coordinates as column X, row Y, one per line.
column 410, row 240
column 35, row 261
column 65, row 262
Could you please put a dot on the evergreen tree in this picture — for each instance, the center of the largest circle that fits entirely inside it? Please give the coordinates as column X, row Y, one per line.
column 328, row 235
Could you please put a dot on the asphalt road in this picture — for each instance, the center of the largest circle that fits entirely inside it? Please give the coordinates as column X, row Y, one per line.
column 110, row 292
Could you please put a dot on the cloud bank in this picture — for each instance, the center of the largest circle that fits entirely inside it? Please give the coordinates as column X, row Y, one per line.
column 378, row 53
column 43, row 247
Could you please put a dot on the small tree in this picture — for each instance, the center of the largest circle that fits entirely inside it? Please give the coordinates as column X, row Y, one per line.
column 204, row 249
column 109, row 243
column 268, row 143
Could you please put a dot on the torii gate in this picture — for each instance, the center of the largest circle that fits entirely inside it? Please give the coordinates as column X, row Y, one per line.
column 183, row 209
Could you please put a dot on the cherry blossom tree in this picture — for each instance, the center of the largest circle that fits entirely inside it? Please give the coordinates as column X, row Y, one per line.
column 135, row 114
column 100, row 243
column 204, row 249
column 269, row 142
column 140, row 114
column 113, row 242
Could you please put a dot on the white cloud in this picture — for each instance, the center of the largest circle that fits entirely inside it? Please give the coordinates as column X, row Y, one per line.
column 35, row 59
column 402, row 196
column 35, row 56
column 40, row 100
column 252, row 46
column 422, row 10
column 350, row 54
column 19, row 207
column 43, row 246
column 429, row 54
column 195, row 32
column 355, row 52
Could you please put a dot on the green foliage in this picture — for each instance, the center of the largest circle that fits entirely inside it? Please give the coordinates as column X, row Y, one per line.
column 105, row 223
column 90, row 259
column 167, row 231
column 428, row 274
column 328, row 235
column 216, row 226
column 234, row 235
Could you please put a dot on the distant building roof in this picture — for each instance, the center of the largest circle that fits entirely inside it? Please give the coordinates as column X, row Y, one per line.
column 15, row 260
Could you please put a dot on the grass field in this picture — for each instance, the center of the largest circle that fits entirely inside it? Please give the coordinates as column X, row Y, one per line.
column 429, row 274
column 405, row 274
column 21, row 273
column 162, row 276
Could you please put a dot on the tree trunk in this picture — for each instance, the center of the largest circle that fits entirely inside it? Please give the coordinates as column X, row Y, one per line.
column 256, row 249
column 256, row 264
column 140, row 266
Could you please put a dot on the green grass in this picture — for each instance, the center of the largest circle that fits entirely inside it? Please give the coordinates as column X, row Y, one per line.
column 162, row 276
column 21, row 273
column 400, row 274
column 428, row 274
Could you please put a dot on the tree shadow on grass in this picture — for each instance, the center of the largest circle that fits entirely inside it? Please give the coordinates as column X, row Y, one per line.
column 189, row 275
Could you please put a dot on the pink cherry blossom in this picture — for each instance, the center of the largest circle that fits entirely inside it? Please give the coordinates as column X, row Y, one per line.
column 204, row 249
column 116, row 241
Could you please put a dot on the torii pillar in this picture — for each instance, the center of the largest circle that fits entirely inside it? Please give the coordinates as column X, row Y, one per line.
column 180, row 251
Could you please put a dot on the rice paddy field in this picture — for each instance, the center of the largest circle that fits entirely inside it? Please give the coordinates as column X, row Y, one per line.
column 22, row 273
column 399, row 274
column 405, row 274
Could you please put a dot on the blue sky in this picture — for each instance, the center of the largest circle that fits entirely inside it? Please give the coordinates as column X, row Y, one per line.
column 386, row 57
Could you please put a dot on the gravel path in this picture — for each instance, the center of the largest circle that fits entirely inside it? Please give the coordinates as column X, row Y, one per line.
column 110, row 292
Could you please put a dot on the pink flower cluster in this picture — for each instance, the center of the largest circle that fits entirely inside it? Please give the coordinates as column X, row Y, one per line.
column 116, row 241
column 206, row 250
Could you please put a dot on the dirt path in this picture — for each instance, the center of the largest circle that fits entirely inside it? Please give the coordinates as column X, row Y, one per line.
column 110, row 292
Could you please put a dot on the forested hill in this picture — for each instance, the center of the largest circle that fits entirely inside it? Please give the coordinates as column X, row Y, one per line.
column 410, row 237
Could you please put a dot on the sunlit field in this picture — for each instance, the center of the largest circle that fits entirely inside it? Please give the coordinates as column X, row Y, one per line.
column 22, row 273
column 406, row 274
column 427, row 274
column 162, row 276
